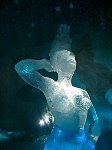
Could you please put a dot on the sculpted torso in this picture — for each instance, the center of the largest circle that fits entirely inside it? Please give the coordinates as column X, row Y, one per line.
column 69, row 105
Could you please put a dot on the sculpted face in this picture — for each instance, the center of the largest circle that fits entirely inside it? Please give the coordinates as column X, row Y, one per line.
column 65, row 62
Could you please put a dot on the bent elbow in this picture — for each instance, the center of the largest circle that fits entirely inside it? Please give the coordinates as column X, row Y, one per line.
column 22, row 68
column 18, row 67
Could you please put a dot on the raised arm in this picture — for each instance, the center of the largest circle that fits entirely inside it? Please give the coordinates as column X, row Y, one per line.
column 62, row 39
column 27, row 69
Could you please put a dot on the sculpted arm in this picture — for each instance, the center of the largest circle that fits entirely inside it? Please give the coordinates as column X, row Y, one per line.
column 62, row 39
column 28, row 71
column 94, row 127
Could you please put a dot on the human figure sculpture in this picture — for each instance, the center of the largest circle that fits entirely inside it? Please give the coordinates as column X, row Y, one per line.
column 68, row 104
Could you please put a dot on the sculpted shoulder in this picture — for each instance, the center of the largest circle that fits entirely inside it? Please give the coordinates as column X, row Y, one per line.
column 51, row 87
column 86, row 100
column 82, row 99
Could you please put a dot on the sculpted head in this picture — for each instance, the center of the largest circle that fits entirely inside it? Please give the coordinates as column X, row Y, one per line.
column 63, row 62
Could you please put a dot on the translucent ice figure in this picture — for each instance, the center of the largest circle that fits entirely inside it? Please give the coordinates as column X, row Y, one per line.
column 68, row 104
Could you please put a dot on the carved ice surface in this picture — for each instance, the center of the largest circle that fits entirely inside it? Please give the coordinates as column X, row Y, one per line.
column 64, row 140
column 69, row 105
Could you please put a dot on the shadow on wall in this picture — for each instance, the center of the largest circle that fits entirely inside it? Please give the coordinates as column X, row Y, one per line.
column 98, row 80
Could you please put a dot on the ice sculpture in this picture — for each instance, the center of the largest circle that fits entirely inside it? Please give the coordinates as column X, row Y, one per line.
column 68, row 104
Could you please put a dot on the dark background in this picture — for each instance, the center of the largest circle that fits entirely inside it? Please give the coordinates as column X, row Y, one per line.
column 27, row 29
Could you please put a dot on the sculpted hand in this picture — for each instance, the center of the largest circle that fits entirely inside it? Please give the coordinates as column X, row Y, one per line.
column 62, row 39
column 47, row 65
column 94, row 132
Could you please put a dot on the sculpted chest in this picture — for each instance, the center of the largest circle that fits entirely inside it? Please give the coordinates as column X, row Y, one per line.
column 67, row 100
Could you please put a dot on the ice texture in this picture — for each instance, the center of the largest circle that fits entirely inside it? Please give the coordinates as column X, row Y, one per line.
column 68, row 104
column 64, row 140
